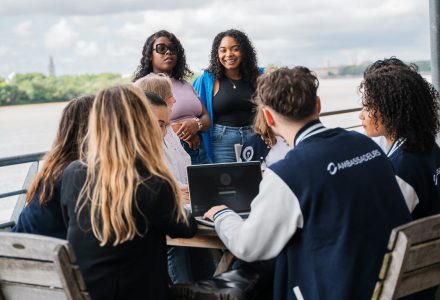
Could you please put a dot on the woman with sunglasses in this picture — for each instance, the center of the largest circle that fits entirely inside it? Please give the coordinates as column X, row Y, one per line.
column 163, row 53
column 226, row 88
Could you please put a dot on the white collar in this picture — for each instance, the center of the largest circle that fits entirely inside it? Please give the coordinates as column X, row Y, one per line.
column 312, row 130
column 396, row 145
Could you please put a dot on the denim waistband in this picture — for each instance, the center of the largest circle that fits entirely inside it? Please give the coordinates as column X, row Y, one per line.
column 218, row 126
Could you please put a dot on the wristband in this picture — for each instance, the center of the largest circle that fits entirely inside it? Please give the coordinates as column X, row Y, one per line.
column 199, row 123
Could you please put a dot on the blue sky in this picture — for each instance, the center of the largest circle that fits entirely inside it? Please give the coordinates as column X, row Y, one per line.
column 97, row 36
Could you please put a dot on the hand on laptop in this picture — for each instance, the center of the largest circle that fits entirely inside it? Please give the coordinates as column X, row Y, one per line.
column 212, row 211
column 185, row 194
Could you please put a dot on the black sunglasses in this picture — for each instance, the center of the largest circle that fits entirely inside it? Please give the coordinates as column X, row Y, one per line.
column 162, row 49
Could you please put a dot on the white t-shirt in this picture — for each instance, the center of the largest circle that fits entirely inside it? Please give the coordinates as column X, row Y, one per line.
column 176, row 157
column 276, row 153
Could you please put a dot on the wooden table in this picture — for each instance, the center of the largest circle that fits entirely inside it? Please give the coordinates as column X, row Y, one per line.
column 206, row 237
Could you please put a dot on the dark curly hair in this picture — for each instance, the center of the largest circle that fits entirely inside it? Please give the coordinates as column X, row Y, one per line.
column 248, row 66
column 406, row 104
column 290, row 92
column 392, row 61
column 179, row 72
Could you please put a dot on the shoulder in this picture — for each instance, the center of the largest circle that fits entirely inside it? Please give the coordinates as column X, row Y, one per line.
column 74, row 168
column 206, row 76
column 254, row 148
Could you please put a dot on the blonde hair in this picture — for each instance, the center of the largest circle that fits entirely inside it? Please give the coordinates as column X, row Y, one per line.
column 123, row 136
column 159, row 84
column 261, row 128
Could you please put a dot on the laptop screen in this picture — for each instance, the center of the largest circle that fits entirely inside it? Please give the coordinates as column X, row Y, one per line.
column 231, row 184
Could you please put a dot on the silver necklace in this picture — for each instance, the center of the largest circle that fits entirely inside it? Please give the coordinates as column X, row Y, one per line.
column 234, row 86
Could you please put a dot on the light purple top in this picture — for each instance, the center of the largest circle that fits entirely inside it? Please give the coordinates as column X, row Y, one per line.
column 187, row 103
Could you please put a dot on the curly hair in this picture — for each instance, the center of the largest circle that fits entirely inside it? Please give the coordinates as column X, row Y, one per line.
column 392, row 61
column 262, row 129
column 180, row 70
column 248, row 66
column 290, row 92
column 406, row 104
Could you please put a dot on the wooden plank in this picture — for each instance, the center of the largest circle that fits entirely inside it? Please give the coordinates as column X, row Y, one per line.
column 29, row 272
column 225, row 263
column 422, row 255
column 392, row 278
column 420, row 230
column 69, row 279
column 28, row 292
column 30, row 246
column 204, row 230
column 210, row 242
column 419, row 280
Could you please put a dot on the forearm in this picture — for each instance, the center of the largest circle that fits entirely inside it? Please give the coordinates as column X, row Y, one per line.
column 263, row 235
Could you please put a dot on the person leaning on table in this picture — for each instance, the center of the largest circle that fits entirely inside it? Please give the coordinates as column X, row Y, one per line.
column 326, row 210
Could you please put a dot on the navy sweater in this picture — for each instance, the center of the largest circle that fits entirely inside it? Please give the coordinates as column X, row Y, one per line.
column 44, row 220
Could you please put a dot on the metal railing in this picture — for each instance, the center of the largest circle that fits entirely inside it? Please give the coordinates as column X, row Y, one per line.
column 33, row 158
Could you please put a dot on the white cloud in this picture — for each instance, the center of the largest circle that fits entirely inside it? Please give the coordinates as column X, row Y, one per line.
column 122, row 51
column 284, row 32
column 5, row 51
column 23, row 29
column 87, row 7
column 61, row 35
column 84, row 48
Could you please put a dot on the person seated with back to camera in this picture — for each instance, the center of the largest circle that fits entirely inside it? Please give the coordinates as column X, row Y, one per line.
column 263, row 146
column 120, row 200
column 185, row 264
column 176, row 158
column 330, row 219
column 42, row 213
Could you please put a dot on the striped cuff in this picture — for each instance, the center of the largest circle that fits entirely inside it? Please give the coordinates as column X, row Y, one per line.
column 222, row 212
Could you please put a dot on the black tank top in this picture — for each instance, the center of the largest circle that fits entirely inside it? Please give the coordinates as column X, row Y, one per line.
column 233, row 106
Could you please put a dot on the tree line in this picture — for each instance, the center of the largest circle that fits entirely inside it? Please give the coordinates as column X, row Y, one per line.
column 39, row 88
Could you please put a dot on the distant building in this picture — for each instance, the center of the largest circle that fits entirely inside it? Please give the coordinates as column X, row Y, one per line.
column 10, row 77
column 51, row 67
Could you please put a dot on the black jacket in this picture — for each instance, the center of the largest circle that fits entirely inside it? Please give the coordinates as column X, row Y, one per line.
column 136, row 269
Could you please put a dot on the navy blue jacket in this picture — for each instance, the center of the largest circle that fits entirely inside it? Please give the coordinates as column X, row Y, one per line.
column 44, row 220
column 422, row 172
column 350, row 201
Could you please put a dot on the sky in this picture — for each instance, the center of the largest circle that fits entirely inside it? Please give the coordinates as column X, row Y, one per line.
column 96, row 36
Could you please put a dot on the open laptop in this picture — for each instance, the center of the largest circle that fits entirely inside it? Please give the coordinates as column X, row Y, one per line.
column 231, row 184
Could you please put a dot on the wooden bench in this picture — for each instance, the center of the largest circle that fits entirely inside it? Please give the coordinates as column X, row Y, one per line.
column 38, row 268
column 413, row 261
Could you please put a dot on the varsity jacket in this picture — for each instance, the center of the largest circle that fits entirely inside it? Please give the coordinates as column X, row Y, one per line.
column 325, row 212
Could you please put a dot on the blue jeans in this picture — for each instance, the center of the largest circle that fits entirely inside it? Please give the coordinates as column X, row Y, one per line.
column 224, row 138
column 198, row 156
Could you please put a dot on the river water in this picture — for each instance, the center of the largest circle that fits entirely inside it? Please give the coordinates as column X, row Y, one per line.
column 31, row 128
